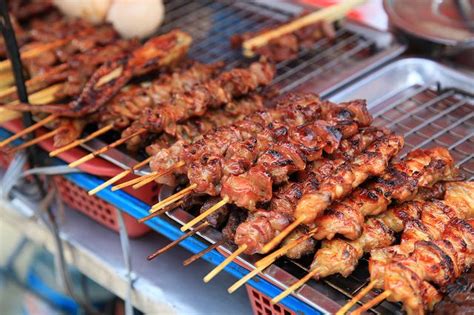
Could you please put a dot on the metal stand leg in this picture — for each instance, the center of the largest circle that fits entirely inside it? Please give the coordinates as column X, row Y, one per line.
column 125, row 243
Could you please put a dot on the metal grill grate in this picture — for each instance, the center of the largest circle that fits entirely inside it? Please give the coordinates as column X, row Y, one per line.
column 427, row 116
column 212, row 23
column 430, row 117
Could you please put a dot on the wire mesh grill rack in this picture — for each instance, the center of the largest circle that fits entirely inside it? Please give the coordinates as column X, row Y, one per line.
column 427, row 103
column 212, row 24
column 432, row 116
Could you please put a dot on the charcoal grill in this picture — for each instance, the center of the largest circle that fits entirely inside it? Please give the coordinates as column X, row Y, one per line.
column 324, row 68
column 430, row 105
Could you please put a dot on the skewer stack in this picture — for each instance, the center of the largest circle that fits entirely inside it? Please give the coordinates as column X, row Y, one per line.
column 276, row 180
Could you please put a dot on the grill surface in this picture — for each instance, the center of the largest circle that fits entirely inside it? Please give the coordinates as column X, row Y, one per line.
column 212, row 23
column 432, row 116
column 417, row 98
column 325, row 67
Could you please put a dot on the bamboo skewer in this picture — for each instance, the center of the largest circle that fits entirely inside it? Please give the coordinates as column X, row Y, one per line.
column 32, row 84
column 284, row 249
column 92, row 155
column 160, row 212
column 77, row 142
column 133, row 181
column 43, row 96
column 268, row 260
column 119, row 176
column 36, row 140
column 33, row 52
column 158, row 175
column 6, row 80
column 329, row 14
column 173, row 198
column 223, row 264
column 294, row 286
column 27, row 130
column 378, row 299
column 178, row 240
column 356, row 298
column 205, row 214
column 196, row 256
column 280, row 237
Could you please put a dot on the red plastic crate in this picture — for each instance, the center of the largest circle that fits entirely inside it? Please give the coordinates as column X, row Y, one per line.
column 96, row 208
column 261, row 304
column 78, row 199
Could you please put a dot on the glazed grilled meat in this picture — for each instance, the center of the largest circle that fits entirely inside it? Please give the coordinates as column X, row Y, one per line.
column 158, row 52
column 289, row 45
column 286, row 197
column 375, row 232
column 401, row 181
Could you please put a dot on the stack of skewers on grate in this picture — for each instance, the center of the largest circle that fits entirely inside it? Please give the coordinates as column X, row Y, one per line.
column 275, row 179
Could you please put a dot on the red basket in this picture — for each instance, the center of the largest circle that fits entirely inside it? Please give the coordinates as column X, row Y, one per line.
column 261, row 304
column 96, row 208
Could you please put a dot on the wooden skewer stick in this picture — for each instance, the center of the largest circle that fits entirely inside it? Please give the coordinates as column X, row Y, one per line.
column 178, row 240
column 294, row 286
column 173, row 198
column 36, row 140
column 92, row 155
column 280, row 237
column 6, row 80
column 158, row 175
column 223, row 264
column 268, row 260
column 329, row 14
column 118, row 177
column 284, row 249
column 378, row 299
column 33, row 52
column 356, row 298
column 205, row 214
column 35, row 82
column 43, row 96
column 196, row 256
column 133, row 181
column 160, row 212
column 81, row 141
column 29, row 129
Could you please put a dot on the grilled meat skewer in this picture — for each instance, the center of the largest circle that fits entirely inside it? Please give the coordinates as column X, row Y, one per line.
column 261, row 225
column 212, row 94
column 375, row 234
column 158, row 52
column 440, row 262
column 289, row 45
column 425, row 222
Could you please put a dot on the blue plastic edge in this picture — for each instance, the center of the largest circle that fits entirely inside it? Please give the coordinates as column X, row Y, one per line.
column 139, row 209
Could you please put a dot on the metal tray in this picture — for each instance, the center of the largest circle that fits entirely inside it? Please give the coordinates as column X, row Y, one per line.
column 429, row 103
column 322, row 69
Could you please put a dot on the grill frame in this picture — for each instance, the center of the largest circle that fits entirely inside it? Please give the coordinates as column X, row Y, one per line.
column 382, row 44
column 411, row 75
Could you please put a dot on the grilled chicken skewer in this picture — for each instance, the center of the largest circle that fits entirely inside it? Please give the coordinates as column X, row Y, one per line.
column 156, row 53
column 261, row 225
column 439, row 261
column 112, row 81
column 396, row 184
column 214, row 145
column 344, row 179
column 282, row 150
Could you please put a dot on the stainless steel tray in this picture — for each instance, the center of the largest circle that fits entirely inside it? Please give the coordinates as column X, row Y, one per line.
column 322, row 69
column 446, row 117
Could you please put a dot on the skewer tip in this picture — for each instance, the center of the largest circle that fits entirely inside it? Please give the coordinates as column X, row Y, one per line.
column 224, row 263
